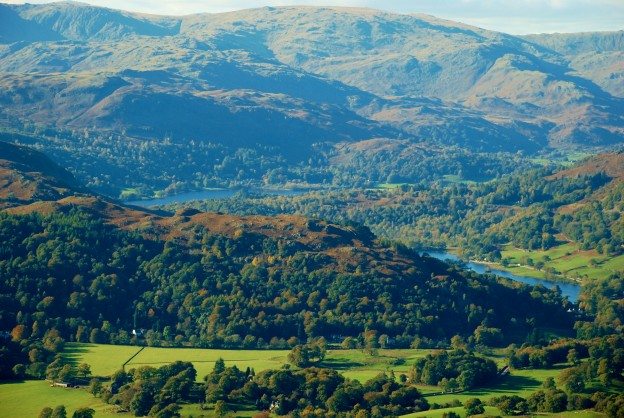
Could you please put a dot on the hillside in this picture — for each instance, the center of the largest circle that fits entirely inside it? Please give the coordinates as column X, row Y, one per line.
column 215, row 280
column 280, row 91
column 595, row 56
column 547, row 222
column 28, row 176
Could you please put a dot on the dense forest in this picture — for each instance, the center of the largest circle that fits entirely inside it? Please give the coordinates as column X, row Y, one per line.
column 356, row 141
column 73, row 276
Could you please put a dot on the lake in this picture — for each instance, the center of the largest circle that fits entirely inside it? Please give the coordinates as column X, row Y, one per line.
column 210, row 194
column 570, row 290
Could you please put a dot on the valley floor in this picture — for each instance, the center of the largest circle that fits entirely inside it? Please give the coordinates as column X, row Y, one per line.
column 25, row 399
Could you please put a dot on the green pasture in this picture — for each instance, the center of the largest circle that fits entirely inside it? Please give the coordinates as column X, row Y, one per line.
column 27, row 399
column 354, row 364
column 568, row 259
column 204, row 359
column 103, row 359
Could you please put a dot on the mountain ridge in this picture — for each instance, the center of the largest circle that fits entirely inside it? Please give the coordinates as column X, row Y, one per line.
column 295, row 80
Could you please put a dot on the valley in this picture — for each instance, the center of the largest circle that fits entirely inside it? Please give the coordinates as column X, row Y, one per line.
column 307, row 211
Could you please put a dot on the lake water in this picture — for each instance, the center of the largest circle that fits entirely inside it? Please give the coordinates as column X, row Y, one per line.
column 570, row 290
column 210, row 194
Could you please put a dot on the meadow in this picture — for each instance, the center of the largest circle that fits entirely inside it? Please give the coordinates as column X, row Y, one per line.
column 568, row 259
column 28, row 398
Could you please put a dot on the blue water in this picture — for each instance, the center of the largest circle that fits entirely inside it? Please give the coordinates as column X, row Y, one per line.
column 210, row 194
column 570, row 290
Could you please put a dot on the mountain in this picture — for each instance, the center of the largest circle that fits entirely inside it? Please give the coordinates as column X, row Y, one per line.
column 596, row 56
column 286, row 87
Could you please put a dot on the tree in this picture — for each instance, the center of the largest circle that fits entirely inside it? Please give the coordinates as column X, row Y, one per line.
column 219, row 366
column 53, row 369
column 18, row 333
column 95, row 386
column 59, row 412
column 220, row 409
column 371, row 342
column 66, row 374
column 83, row 370
column 142, row 401
column 573, row 357
column 572, row 380
column 549, row 383
column 46, row 412
column 84, row 413
column 169, row 411
column 306, row 355
column 349, row 343
column 511, row 405
column 458, row 343
column 19, row 370
column 474, row 406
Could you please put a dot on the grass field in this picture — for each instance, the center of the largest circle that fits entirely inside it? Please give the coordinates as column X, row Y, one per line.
column 490, row 411
column 568, row 259
column 130, row 193
column 391, row 186
column 28, row 398
column 103, row 359
column 204, row 359
column 354, row 364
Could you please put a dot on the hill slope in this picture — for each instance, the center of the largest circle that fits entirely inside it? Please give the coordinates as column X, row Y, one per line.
column 596, row 56
column 231, row 281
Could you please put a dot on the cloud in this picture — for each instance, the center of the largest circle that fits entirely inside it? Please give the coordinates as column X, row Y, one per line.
column 513, row 16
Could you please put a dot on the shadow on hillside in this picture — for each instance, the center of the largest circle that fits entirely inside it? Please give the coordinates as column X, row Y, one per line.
column 73, row 352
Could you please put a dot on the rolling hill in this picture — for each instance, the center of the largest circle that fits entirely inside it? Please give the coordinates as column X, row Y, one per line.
column 216, row 278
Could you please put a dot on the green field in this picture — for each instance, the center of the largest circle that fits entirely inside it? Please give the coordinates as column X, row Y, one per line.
column 568, row 259
column 204, row 359
column 103, row 359
column 354, row 364
column 129, row 193
column 391, row 186
column 28, row 398
column 491, row 411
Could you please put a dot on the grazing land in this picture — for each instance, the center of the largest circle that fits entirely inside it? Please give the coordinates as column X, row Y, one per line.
column 355, row 364
column 568, row 259
column 27, row 399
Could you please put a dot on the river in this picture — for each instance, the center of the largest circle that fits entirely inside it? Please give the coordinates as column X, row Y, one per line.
column 210, row 194
column 570, row 290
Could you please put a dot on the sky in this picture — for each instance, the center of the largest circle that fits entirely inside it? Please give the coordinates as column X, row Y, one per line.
column 510, row 16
